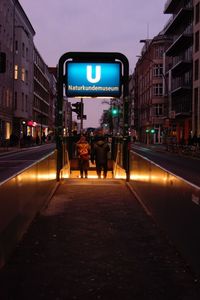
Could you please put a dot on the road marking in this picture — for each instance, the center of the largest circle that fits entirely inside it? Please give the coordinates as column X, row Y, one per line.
column 195, row 199
column 147, row 211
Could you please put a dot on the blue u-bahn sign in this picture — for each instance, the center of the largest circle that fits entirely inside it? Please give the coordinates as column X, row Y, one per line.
column 93, row 79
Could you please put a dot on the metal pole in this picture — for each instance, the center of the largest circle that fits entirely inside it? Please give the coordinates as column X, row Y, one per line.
column 81, row 115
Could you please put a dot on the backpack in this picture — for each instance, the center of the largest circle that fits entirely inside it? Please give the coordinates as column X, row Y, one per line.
column 83, row 152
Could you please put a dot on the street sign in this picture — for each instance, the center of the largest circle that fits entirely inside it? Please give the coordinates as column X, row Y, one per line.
column 93, row 79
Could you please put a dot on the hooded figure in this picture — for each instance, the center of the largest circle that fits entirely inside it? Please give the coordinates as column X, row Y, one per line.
column 100, row 155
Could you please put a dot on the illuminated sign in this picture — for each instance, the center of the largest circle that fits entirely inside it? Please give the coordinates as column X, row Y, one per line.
column 31, row 123
column 96, row 79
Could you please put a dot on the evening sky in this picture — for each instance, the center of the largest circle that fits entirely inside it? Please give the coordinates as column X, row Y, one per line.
column 95, row 26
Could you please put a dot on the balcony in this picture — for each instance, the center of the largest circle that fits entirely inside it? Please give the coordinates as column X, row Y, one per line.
column 183, row 17
column 183, row 115
column 183, row 42
column 170, row 6
column 181, row 90
column 181, row 67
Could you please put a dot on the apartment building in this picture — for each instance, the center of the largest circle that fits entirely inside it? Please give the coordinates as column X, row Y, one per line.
column 52, row 102
column 151, row 91
column 196, row 75
column 16, row 84
column 41, row 99
column 181, row 103
column 27, row 88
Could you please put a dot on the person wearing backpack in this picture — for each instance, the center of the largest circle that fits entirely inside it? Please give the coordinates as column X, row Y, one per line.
column 83, row 151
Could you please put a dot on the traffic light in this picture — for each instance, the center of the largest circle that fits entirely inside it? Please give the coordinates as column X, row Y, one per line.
column 114, row 111
column 78, row 109
column 152, row 130
column 2, row 62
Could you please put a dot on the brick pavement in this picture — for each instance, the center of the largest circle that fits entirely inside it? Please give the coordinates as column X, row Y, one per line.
column 94, row 241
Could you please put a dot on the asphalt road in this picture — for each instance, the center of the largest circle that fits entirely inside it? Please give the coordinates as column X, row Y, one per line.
column 184, row 166
column 14, row 162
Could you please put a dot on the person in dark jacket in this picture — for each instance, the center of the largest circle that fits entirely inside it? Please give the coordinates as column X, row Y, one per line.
column 100, row 156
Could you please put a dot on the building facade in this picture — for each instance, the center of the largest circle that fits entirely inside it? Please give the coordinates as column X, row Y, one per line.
column 16, row 84
column 180, row 30
column 151, row 91
column 27, row 88
column 196, row 74
column 41, row 99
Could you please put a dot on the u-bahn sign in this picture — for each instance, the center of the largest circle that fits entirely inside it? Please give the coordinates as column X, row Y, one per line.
column 93, row 79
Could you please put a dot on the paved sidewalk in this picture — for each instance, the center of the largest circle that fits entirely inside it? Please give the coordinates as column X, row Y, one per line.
column 94, row 241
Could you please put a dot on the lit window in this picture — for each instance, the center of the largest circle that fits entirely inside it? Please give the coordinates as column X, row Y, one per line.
column 7, row 130
column 16, row 72
column 23, row 74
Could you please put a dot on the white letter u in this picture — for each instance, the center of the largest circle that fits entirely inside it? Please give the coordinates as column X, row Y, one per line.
column 89, row 74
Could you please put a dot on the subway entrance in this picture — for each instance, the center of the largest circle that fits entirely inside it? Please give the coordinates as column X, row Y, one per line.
column 93, row 75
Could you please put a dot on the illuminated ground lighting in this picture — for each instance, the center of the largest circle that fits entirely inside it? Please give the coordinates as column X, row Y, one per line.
column 93, row 175
column 122, row 176
column 47, row 176
column 147, row 178
column 65, row 176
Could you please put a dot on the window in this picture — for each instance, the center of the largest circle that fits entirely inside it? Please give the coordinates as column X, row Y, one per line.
column 22, row 101
column 7, row 98
column 197, row 13
column 23, row 49
column 15, row 104
column 158, row 70
column 159, row 109
column 158, row 89
column 159, row 52
column 16, row 46
column 26, row 103
column 26, row 77
column 16, row 72
column 197, row 41
column 196, row 69
column 26, row 53
column 7, row 130
column 23, row 74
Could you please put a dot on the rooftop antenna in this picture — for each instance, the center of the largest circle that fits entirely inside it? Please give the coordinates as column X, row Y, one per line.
column 147, row 30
